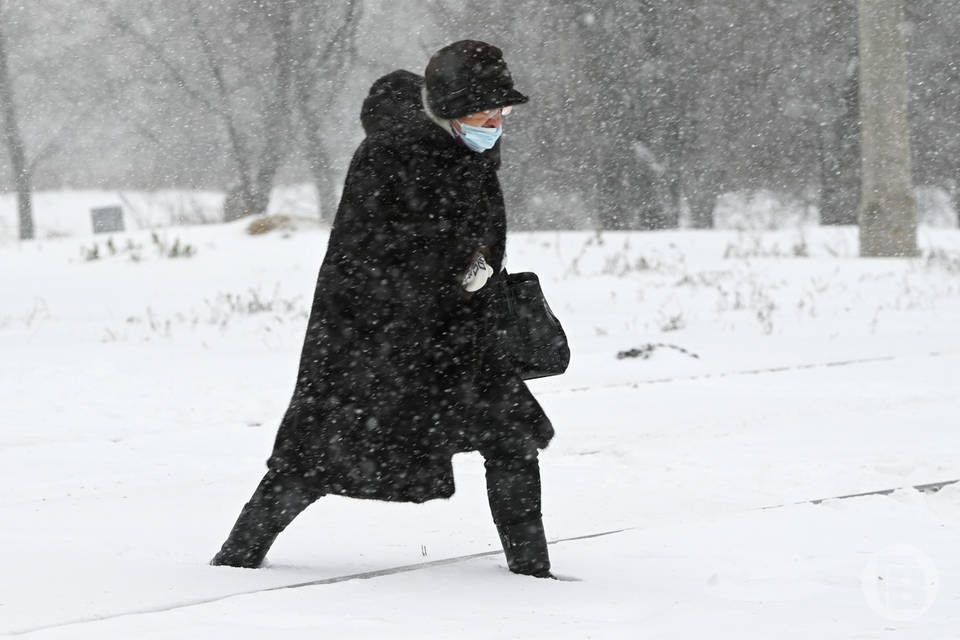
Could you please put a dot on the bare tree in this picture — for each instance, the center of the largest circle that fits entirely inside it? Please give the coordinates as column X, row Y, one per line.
column 256, row 67
column 888, row 219
column 14, row 139
column 256, row 182
column 325, row 51
column 840, row 155
column 235, row 62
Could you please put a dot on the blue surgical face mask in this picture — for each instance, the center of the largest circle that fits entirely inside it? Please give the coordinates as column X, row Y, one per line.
column 479, row 138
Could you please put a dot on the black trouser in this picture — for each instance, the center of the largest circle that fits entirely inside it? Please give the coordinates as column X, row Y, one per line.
column 513, row 486
column 513, row 491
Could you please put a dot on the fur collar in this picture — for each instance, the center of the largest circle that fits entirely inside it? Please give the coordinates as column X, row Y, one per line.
column 446, row 125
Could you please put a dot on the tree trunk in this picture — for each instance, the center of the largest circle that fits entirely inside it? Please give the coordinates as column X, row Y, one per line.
column 840, row 158
column 888, row 219
column 953, row 188
column 15, row 146
column 321, row 66
column 323, row 180
column 251, row 194
column 318, row 160
column 276, row 117
column 240, row 201
column 701, row 203
column 956, row 202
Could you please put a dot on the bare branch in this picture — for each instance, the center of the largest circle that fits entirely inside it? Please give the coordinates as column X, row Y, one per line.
column 344, row 37
column 159, row 54
column 53, row 141
column 215, row 67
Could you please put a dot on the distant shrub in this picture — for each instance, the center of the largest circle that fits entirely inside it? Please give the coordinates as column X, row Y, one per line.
column 134, row 250
column 266, row 224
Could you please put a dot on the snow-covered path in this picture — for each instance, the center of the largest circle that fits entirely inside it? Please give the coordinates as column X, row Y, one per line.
column 125, row 454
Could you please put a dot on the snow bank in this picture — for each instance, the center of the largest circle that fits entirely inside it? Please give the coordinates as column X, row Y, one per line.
column 67, row 213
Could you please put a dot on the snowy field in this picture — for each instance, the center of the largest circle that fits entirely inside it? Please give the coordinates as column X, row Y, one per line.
column 140, row 394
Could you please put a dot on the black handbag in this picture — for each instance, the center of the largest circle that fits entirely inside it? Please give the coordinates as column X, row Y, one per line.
column 534, row 338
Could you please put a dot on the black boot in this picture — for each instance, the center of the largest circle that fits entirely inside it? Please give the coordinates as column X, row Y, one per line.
column 525, row 545
column 513, row 490
column 274, row 505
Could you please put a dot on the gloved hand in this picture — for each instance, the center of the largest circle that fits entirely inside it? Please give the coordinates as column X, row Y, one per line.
column 477, row 273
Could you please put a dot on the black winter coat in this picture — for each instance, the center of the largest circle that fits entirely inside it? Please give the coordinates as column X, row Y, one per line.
column 399, row 370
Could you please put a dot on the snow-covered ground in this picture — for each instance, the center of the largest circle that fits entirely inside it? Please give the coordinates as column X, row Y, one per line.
column 140, row 395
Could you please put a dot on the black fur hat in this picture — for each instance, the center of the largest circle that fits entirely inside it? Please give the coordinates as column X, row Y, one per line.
column 469, row 76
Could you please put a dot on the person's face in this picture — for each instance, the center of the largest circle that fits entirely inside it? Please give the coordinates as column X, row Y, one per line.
column 491, row 118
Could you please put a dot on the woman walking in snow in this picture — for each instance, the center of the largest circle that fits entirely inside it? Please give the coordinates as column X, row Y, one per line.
column 401, row 367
